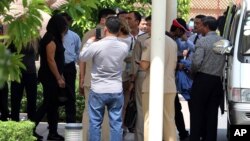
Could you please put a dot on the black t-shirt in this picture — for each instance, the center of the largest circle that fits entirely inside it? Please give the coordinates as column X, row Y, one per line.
column 44, row 73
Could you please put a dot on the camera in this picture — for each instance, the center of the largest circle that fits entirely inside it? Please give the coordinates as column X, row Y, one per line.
column 99, row 33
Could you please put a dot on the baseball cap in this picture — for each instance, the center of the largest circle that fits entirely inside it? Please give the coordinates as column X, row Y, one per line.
column 180, row 23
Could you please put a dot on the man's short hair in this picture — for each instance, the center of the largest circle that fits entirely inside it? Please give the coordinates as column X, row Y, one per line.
column 113, row 24
column 148, row 18
column 211, row 22
column 103, row 13
column 137, row 15
column 200, row 16
column 122, row 12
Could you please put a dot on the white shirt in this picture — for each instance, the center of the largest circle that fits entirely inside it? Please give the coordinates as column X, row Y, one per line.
column 107, row 56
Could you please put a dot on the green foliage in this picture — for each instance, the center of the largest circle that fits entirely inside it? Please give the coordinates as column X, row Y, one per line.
column 81, row 11
column 183, row 8
column 16, row 131
column 85, row 12
column 10, row 65
column 24, row 27
column 4, row 4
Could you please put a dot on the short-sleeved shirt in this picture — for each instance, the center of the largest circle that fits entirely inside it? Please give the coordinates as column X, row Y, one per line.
column 87, row 76
column 107, row 56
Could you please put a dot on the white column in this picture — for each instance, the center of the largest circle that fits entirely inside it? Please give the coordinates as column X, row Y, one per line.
column 157, row 70
column 171, row 13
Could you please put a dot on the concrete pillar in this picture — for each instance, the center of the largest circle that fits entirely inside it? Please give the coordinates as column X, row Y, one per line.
column 171, row 12
column 157, row 70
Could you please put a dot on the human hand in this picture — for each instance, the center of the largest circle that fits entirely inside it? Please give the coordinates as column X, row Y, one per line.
column 185, row 52
column 81, row 87
column 61, row 82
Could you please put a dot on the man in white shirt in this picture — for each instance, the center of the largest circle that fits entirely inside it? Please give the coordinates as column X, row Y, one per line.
column 107, row 56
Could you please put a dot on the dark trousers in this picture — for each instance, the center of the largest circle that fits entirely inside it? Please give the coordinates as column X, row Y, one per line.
column 29, row 82
column 206, row 95
column 179, row 120
column 49, row 105
column 4, row 102
column 69, row 74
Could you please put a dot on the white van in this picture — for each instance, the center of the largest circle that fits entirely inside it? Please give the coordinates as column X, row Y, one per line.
column 237, row 70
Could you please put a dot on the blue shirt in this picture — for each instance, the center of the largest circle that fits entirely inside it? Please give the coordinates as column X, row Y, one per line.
column 72, row 44
column 183, row 45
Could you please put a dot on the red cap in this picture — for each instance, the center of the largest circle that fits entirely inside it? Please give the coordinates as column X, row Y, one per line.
column 177, row 24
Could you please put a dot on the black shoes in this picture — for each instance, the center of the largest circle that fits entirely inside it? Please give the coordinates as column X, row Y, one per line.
column 184, row 136
column 39, row 138
column 55, row 137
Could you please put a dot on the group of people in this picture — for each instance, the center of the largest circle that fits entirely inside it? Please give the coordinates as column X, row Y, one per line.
column 114, row 63
column 190, row 54
column 58, row 50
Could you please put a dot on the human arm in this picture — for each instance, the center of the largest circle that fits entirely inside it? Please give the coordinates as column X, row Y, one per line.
column 145, row 57
column 87, row 51
column 185, row 44
column 144, row 65
column 82, row 66
column 136, row 55
column 82, row 69
column 50, row 51
column 197, row 57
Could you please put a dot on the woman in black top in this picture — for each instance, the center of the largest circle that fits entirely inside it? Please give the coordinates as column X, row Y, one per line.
column 50, row 72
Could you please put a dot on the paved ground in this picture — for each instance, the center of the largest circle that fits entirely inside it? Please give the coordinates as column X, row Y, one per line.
column 42, row 130
column 42, row 127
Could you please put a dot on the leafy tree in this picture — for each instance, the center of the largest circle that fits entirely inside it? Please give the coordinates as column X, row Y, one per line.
column 24, row 28
column 85, row 12
column 183, row 8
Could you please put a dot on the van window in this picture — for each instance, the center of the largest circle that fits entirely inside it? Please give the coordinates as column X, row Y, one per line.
column 229, row 19
column 234, row 27
column 245, row 40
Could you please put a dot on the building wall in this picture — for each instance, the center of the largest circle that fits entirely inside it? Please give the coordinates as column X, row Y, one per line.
column 213, row 8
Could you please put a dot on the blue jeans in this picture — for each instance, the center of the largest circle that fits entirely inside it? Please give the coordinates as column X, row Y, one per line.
column 96, row 107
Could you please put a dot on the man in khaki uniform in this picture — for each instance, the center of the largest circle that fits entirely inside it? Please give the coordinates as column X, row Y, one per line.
column 169, row 129
column 137, row 76
column 85, row 77
column 133, row 19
